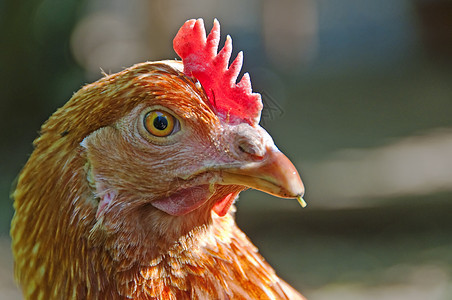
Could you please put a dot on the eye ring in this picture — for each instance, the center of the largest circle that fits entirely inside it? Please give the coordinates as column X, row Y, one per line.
column 160, row 123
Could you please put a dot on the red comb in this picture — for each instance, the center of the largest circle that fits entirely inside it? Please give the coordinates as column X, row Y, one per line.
column 234, row 102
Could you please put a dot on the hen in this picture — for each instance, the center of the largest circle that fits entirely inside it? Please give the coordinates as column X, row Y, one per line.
column 128, row 192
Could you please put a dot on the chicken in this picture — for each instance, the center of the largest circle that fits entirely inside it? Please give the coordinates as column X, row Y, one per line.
column 129, row 191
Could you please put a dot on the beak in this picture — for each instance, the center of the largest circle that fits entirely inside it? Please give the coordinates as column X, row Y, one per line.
column 274, row 174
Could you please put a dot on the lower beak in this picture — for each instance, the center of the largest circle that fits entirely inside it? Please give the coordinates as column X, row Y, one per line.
column 274, row 174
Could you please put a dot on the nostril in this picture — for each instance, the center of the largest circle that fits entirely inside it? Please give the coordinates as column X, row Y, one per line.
column 249, row 142
column 245, row 146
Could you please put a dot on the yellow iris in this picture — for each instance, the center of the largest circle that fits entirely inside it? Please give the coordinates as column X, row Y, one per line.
column 159, row 123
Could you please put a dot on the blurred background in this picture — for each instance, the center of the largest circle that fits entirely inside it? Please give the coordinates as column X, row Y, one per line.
column 358, row 93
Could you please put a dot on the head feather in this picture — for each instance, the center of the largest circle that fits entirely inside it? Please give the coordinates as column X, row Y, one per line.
column 233, row 102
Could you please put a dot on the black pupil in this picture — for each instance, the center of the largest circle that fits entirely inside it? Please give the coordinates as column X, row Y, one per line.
column 160, row 122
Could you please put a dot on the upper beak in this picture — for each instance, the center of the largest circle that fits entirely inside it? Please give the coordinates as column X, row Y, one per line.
column 274, row 174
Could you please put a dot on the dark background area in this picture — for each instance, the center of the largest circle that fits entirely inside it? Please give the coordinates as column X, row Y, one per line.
column 357, row 93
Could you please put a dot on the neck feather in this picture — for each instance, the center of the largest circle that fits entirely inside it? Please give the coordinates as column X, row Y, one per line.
column 62, row 251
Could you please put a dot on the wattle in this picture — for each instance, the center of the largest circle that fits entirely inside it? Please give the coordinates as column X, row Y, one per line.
column 189, row 199
column 184, row 201
column 221, row 207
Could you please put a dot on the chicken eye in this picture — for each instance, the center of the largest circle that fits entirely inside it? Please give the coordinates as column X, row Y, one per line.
column 160, row 123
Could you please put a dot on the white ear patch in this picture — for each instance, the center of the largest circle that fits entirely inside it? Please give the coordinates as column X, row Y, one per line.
column 83, row 143
column 104, row 203
column 106, row 197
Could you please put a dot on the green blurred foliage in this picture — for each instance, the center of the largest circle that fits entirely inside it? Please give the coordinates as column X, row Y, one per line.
column 37, row 75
